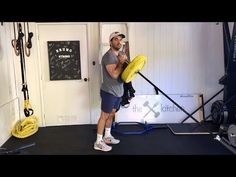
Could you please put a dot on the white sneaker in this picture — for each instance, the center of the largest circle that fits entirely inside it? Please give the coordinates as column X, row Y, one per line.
column 111, row 140
column 102, row 146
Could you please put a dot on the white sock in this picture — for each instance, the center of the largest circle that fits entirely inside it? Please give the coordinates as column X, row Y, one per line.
column 107, row 132
column 99, row 138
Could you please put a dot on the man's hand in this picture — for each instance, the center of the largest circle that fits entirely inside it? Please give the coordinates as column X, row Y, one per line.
column 122, row 57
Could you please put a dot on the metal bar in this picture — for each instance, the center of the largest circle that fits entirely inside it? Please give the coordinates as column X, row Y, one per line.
column 203, row 105
column 226, row 144
column 168, row 97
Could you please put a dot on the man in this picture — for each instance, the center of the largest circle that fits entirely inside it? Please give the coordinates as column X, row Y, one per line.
column 111, row 91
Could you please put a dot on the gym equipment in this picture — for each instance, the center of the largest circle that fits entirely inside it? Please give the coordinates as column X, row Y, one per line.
column 138, row 128
column 128, row 94
column 129, row 74
column 202, row 127
column 202, row 106
column 226, row 116
column 5, row 151
column 133, row 68
column 128, row 88
column 218, row 115
column 228, row 143
column 28, row 42
column 232, row 134
column 29, row 126
column 193, row 129
column 26, row 127
column 230, row 70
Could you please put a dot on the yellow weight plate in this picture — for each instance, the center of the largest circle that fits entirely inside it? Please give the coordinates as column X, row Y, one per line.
column 133, row 68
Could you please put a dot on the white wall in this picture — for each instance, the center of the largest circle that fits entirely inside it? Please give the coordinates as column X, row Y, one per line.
column 182, row 57
column 9, row 111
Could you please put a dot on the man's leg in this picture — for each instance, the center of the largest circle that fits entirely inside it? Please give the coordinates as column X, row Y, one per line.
column 102, row 122
column 99, row 144
column 110, row 119
column 109, row 139
column 106, row 108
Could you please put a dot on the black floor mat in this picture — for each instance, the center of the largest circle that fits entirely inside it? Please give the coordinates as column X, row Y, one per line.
column 79, row 140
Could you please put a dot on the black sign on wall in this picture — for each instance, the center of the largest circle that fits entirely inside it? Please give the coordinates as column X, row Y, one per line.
column 64, row 60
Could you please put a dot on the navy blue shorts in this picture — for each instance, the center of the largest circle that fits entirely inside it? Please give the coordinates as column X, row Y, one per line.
column 109, row 102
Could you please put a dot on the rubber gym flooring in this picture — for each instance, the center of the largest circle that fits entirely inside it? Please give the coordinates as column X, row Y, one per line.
column 79, row 139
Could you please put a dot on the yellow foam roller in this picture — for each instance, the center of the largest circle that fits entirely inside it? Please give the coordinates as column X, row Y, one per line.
column 133, row 68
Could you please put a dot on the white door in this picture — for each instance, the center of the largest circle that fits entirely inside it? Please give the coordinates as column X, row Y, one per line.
column 64, row 68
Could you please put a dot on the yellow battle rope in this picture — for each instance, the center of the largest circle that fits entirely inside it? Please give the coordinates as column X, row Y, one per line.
column 28, row 126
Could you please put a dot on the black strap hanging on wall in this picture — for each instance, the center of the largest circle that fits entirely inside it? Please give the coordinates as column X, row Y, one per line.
column 28, row 126
column 18, row 45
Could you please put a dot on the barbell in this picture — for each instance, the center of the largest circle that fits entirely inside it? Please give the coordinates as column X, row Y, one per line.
column 133, row 68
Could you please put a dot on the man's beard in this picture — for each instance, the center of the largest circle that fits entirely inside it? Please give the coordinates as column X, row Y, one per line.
column 117, row 48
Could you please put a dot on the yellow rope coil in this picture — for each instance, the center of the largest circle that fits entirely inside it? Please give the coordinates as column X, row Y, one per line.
column 133, row 68
column 26, row 127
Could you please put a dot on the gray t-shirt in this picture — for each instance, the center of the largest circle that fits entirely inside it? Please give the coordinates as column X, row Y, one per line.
column 110, row 85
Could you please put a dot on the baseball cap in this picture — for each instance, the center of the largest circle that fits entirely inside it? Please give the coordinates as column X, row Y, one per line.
column 115, row 34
